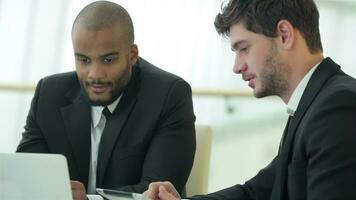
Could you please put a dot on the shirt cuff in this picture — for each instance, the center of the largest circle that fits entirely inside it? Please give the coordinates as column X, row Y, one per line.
column 94, row 197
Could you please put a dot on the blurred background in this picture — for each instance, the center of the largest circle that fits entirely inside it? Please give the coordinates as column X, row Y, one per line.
column 175, row 35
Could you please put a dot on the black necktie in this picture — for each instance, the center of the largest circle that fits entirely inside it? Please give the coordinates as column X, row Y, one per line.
column 106, row 112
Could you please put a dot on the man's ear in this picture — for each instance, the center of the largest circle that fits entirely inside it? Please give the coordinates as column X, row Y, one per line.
column 133, row 54
column 286, row 33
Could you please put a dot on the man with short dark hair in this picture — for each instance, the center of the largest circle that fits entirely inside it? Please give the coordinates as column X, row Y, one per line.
column 120, row 121
column 278, row 52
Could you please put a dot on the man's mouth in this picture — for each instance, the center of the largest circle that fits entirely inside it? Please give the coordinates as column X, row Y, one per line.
column 250, row 80
column 98, row 88
column 251, row 83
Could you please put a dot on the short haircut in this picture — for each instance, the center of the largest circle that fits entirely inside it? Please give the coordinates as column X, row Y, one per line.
column 262, row 17
column 103, row 14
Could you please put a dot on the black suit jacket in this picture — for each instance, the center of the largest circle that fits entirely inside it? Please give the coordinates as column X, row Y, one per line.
column 318, row 157
column 150, row 136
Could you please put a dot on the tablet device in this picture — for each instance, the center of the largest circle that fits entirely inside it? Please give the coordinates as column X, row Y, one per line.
column 119, row 195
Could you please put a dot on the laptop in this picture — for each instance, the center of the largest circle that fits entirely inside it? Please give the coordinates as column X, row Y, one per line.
column 28, row 176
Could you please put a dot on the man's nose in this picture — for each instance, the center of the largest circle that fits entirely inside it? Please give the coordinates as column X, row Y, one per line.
column 240, row 65
column 96, row 72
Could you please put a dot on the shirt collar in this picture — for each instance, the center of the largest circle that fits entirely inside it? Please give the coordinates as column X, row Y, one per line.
column 96, row 111
column 298, row 92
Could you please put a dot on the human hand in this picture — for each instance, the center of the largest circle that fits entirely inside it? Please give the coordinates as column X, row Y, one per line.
column 161, row 191
column 78, row 190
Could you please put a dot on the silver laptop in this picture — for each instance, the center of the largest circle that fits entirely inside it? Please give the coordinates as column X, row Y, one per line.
column 27, row 176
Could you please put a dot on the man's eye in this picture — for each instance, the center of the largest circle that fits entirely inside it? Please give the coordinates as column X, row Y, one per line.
column 108, row 60
column 83, row 60
column 244, row 49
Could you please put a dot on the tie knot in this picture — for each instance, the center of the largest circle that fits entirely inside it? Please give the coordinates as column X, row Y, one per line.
column 106, row 112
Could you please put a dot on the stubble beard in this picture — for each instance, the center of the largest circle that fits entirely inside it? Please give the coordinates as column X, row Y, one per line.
column 116, row 88
column 274, row 75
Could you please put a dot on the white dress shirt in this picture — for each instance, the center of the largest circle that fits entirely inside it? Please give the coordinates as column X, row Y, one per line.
column 97, row 127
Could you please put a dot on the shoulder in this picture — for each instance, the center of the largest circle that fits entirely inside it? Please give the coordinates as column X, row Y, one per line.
column 339, row 89
column 329, row 81
column 59, row 82
column 62, row 78
column 333, row 110
column 56, row 87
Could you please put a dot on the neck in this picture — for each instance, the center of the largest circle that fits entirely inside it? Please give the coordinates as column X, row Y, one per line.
column 300, row 64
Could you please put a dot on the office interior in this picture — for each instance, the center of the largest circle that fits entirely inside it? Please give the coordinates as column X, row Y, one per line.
column 177, row 36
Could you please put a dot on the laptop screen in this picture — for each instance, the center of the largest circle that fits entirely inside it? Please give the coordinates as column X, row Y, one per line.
column 34, row 176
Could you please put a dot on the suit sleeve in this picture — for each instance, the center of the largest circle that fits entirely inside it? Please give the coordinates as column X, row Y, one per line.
column 330, row 144
column 171, row 152
column 32, row 138
column 257, row 188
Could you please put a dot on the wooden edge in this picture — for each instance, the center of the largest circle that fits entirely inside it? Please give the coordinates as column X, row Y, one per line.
column 213, row 92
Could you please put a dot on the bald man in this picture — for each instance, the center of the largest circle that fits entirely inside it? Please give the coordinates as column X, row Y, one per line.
column 120, row 121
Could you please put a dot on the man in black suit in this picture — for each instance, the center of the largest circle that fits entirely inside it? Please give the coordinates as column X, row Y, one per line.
column 278, row 51
column 120, row 121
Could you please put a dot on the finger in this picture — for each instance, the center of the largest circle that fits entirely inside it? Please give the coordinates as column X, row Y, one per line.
column 171, row 189
column 165, row 195
column 152, row 192
column 75, row 184
column 78, row 190
column 148, row 195
column 78, row 195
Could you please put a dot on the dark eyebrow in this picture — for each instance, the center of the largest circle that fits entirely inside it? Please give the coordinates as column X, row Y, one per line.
column 236, row 45
column 80, row 55
column 102, row 56
column 115, row 53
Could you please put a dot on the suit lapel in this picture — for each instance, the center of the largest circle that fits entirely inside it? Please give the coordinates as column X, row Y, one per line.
column 76, row 117
column 276, row 190
column 114, row 125
column 325, row 70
